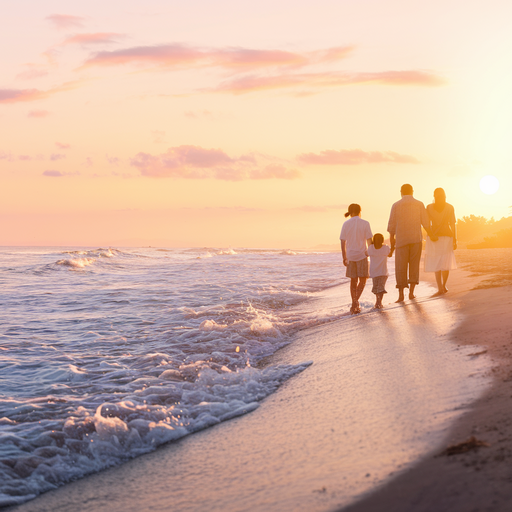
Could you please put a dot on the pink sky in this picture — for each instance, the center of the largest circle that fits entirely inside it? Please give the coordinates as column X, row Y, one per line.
column 246, row 123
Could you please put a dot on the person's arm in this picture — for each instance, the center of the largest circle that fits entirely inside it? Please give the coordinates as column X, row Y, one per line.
column 369, row 242
column 392, row 242
column 344, row 252
column 425, row 222
column 453, row 225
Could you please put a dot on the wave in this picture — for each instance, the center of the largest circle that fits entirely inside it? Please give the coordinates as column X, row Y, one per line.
column 165, row 410
column 76, row 263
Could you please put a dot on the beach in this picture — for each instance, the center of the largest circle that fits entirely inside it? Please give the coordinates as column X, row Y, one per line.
column 481, row 478
column 323, row 440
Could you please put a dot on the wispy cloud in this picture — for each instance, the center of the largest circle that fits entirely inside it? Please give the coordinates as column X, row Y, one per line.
column 51, row 173
column 56, row 156
column 316, row 81
column 234, row 58
column 113, row 160
column 62, row 145
column 355, row 157
column 24, row 157
column 31, row 74
column 5, row 156
column 92, row 39
column 194, row 162
column 64, row 21
column 38, row 113
column 21, row 95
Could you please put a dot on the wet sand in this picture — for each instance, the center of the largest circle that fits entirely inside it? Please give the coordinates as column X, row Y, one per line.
column 480, row 479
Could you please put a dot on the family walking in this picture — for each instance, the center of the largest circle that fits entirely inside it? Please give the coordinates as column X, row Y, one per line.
column 406, row 219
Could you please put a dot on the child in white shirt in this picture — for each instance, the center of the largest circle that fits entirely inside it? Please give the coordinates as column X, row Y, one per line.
column 379, row 253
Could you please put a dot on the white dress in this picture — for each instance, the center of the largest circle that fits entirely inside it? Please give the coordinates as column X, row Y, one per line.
column 439, row 255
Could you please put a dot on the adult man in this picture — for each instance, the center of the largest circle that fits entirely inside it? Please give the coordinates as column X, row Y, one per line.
column 405, row 221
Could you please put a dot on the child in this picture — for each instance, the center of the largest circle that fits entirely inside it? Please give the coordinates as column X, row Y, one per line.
column 355, row 236
column 378, row 267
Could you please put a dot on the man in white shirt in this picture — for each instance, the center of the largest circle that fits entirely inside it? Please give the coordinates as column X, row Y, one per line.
column 405, row 221
column 356, row 236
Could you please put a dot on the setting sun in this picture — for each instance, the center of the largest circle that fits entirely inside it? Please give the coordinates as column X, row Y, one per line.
column 489, row 185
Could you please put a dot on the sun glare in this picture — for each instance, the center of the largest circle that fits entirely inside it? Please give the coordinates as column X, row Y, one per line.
column 489, row 184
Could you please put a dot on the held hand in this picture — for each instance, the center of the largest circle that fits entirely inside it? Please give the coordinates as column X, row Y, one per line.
column 434, row 238
column 454, row 245
column 391, row 252
column 345, row 262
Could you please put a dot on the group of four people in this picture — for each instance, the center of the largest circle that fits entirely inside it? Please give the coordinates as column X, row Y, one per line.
column 406, row 219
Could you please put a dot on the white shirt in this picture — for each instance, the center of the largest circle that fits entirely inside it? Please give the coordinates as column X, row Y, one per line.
column 356, row 231
column 378, row 260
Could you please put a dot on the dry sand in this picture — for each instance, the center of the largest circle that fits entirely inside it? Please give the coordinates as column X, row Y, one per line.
column 480, row 479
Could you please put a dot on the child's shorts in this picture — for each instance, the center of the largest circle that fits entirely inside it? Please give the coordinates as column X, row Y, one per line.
column 357, row 269
column 379, row 284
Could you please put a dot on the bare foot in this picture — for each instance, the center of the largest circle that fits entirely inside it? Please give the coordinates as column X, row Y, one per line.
column 412, row 296
column 445, row 290
column 438, row 294
column 379, row 306
column 401, row 297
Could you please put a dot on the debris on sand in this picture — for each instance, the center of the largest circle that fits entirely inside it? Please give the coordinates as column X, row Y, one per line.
column 477, row 353
column 471, row 444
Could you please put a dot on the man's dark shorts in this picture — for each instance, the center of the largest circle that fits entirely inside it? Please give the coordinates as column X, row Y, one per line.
column 358, row 269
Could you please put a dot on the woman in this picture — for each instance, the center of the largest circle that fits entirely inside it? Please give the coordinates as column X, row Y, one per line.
column 439, row 256
column 356, row 237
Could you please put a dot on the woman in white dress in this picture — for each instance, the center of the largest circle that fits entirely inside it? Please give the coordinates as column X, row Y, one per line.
column 439, row 256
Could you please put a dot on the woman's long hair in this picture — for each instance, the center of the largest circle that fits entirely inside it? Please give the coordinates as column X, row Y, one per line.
column 439, row 199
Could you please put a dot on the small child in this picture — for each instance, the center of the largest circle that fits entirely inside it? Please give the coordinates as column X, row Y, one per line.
column 379, row 267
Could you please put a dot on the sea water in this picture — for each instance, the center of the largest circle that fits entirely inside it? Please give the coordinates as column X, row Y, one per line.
column 106, row 353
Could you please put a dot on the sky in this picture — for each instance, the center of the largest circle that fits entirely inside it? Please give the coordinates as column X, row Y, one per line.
column 226, row 123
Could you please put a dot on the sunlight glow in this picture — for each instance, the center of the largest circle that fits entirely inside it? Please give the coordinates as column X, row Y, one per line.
column 489, row 184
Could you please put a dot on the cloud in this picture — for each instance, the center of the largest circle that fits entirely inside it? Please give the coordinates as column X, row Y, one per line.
column 56, row 156
column 62, row 145
column 317, row 81
column 199, row 114
column 64, row 21
column 24, row 157
column 194, row 162
column 113, row 160
column 53, row 174
column 38, row 113
column 355, row 157
column 5, row 156
column 50, row 173
column 31, row 74
column 95, row 38
column 234, row 58
column 21, row 95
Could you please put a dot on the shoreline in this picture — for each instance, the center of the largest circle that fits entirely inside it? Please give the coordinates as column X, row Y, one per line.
column 481, row 478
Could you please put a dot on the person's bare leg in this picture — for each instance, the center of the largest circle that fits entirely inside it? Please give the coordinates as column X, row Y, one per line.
column 411, row 291
column 445, row 274
column 378, row 303
column 401, row 297
column 359, row 291
column 353, row 294
column 439, row 281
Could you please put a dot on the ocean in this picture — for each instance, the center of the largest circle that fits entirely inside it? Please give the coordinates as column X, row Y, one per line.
column 107, row 354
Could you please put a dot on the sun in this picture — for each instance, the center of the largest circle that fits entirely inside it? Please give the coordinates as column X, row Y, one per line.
column 489, row 184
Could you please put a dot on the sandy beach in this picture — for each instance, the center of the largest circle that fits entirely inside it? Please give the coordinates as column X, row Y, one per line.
column 479, row 479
